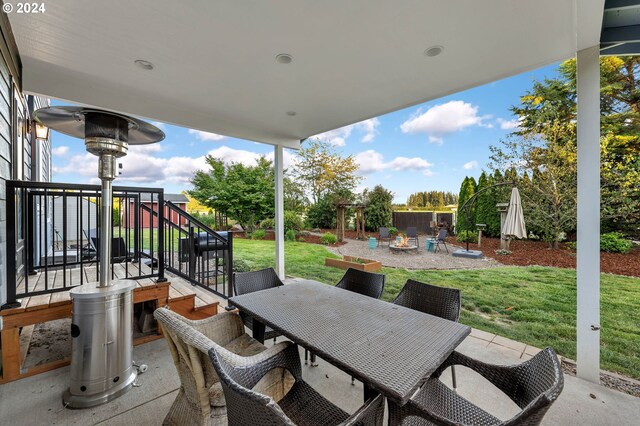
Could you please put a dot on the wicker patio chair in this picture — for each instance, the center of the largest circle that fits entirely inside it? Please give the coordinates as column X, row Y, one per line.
column 533, row 385
column 441, row 239
column 302, row 405
column 200, row 400
column 443, row 302
column 384, row 235
column 365, row 283
column 412, row 234
column 249, row 282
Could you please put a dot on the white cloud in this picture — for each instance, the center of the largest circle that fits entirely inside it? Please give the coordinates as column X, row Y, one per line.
column 338, row 137
column 508, row 124
column 443, row 119
column 141, row 166
column 371, row 161
column 206, row 136
column 159, row 124
column 470, row 165
column 60, row 151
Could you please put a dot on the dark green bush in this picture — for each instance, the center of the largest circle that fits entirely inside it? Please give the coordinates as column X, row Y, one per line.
column 614, row 242
column 290, row 235
column 269, row 223
column 322, row 214
column 393, row 231
column 611, row 242
column 208, row 219
column 329, row 238
column 378, row 211
column 240, row 265
column 258, row 234
column 292, row 221
column 464, row 236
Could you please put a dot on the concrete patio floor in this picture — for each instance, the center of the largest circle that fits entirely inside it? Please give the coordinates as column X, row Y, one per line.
column 37, row 400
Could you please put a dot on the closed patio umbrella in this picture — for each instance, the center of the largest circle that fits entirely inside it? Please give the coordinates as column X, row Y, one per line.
column 514, row 222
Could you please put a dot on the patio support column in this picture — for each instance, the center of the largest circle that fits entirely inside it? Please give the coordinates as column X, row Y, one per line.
column 279, row 228
column 588, row 250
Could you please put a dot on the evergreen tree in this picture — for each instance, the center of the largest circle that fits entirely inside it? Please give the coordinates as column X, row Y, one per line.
column 467, row 189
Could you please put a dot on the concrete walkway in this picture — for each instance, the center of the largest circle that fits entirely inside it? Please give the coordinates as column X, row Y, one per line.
column 38, row 400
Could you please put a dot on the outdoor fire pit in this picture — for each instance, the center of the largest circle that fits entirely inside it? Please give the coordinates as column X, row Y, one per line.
column 402, row 245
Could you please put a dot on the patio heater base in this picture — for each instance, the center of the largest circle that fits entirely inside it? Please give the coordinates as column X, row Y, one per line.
column 102, row 343
column 469, row 254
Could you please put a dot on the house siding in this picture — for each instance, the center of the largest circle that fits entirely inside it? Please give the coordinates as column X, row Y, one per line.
column 33, row 160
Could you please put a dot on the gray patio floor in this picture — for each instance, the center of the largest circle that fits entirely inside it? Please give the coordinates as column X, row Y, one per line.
column 38, row 400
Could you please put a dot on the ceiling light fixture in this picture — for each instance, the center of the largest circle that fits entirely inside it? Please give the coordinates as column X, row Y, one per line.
column 291, row 113
column 434, row 51
column 145, row 65
column 284, row 58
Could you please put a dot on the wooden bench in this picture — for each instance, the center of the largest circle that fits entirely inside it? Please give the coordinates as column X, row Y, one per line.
column 179, row 295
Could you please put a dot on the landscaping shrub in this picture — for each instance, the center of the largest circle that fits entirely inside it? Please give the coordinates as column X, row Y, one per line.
column 207, row 219
column 290, row 235
column 378, row 211
column 269, row 223
column 614, row 242
column 258, row 234
column 322, row 214
column 393, row 231
column 329, row 238
column 292, row 221
column 467, row 236
column 240, row 265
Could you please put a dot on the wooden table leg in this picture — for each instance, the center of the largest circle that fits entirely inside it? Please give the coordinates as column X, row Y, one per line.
column 258, row 331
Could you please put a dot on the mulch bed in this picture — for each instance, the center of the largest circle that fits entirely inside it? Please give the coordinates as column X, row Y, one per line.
column 312, row 239
column 526, row 252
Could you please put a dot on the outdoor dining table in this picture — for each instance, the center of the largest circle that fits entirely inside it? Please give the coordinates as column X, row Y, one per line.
column 390, row 348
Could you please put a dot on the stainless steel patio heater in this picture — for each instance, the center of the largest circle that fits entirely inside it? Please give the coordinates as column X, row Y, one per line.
column 102, row 347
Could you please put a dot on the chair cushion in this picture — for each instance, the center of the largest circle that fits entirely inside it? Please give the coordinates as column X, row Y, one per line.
column 437, row 398
column 304, row 406
column 245, row 345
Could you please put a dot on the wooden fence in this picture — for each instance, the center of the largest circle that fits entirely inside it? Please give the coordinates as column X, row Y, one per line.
column 421, row 220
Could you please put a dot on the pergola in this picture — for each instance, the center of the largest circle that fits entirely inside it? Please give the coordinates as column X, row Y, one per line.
column 218, row 67
column 359, row 220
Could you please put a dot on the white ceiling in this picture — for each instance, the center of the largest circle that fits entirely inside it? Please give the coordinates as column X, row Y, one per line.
column 215, row 67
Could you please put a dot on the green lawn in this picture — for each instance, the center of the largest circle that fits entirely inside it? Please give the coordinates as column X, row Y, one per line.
column 534, row 305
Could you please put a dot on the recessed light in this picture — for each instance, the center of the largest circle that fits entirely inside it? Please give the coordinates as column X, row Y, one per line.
column 284, row 58
column 145, row 65
column 291, row 113
column 434, row 51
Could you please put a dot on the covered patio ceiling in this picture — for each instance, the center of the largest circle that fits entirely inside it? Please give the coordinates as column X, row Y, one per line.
column 215, row 67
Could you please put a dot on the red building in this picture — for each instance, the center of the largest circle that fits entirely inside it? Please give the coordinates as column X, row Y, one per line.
column 145, row 217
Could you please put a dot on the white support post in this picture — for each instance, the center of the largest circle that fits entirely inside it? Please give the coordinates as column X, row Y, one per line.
column 279, row 176
column 588, row 251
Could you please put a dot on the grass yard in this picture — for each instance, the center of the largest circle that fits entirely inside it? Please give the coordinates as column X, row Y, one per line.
column 533, row 305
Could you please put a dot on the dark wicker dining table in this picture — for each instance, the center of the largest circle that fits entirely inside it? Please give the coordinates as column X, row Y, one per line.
column 390, row 348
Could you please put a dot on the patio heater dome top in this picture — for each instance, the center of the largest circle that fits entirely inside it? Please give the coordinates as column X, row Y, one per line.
column 83, row 122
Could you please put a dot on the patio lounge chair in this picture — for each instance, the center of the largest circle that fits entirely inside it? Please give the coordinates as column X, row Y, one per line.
column 443, row 302
column 249, row 282
column 200, row 400
column 302, row 405
column 412, row 234
column 384, row 235
column 533, row 385
column 441, row 239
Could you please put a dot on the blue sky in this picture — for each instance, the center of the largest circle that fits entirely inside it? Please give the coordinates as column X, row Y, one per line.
column 432, row 146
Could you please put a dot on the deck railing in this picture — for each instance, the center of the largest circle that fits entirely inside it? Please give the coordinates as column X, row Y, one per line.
column 197, row 253
column 53, row 231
